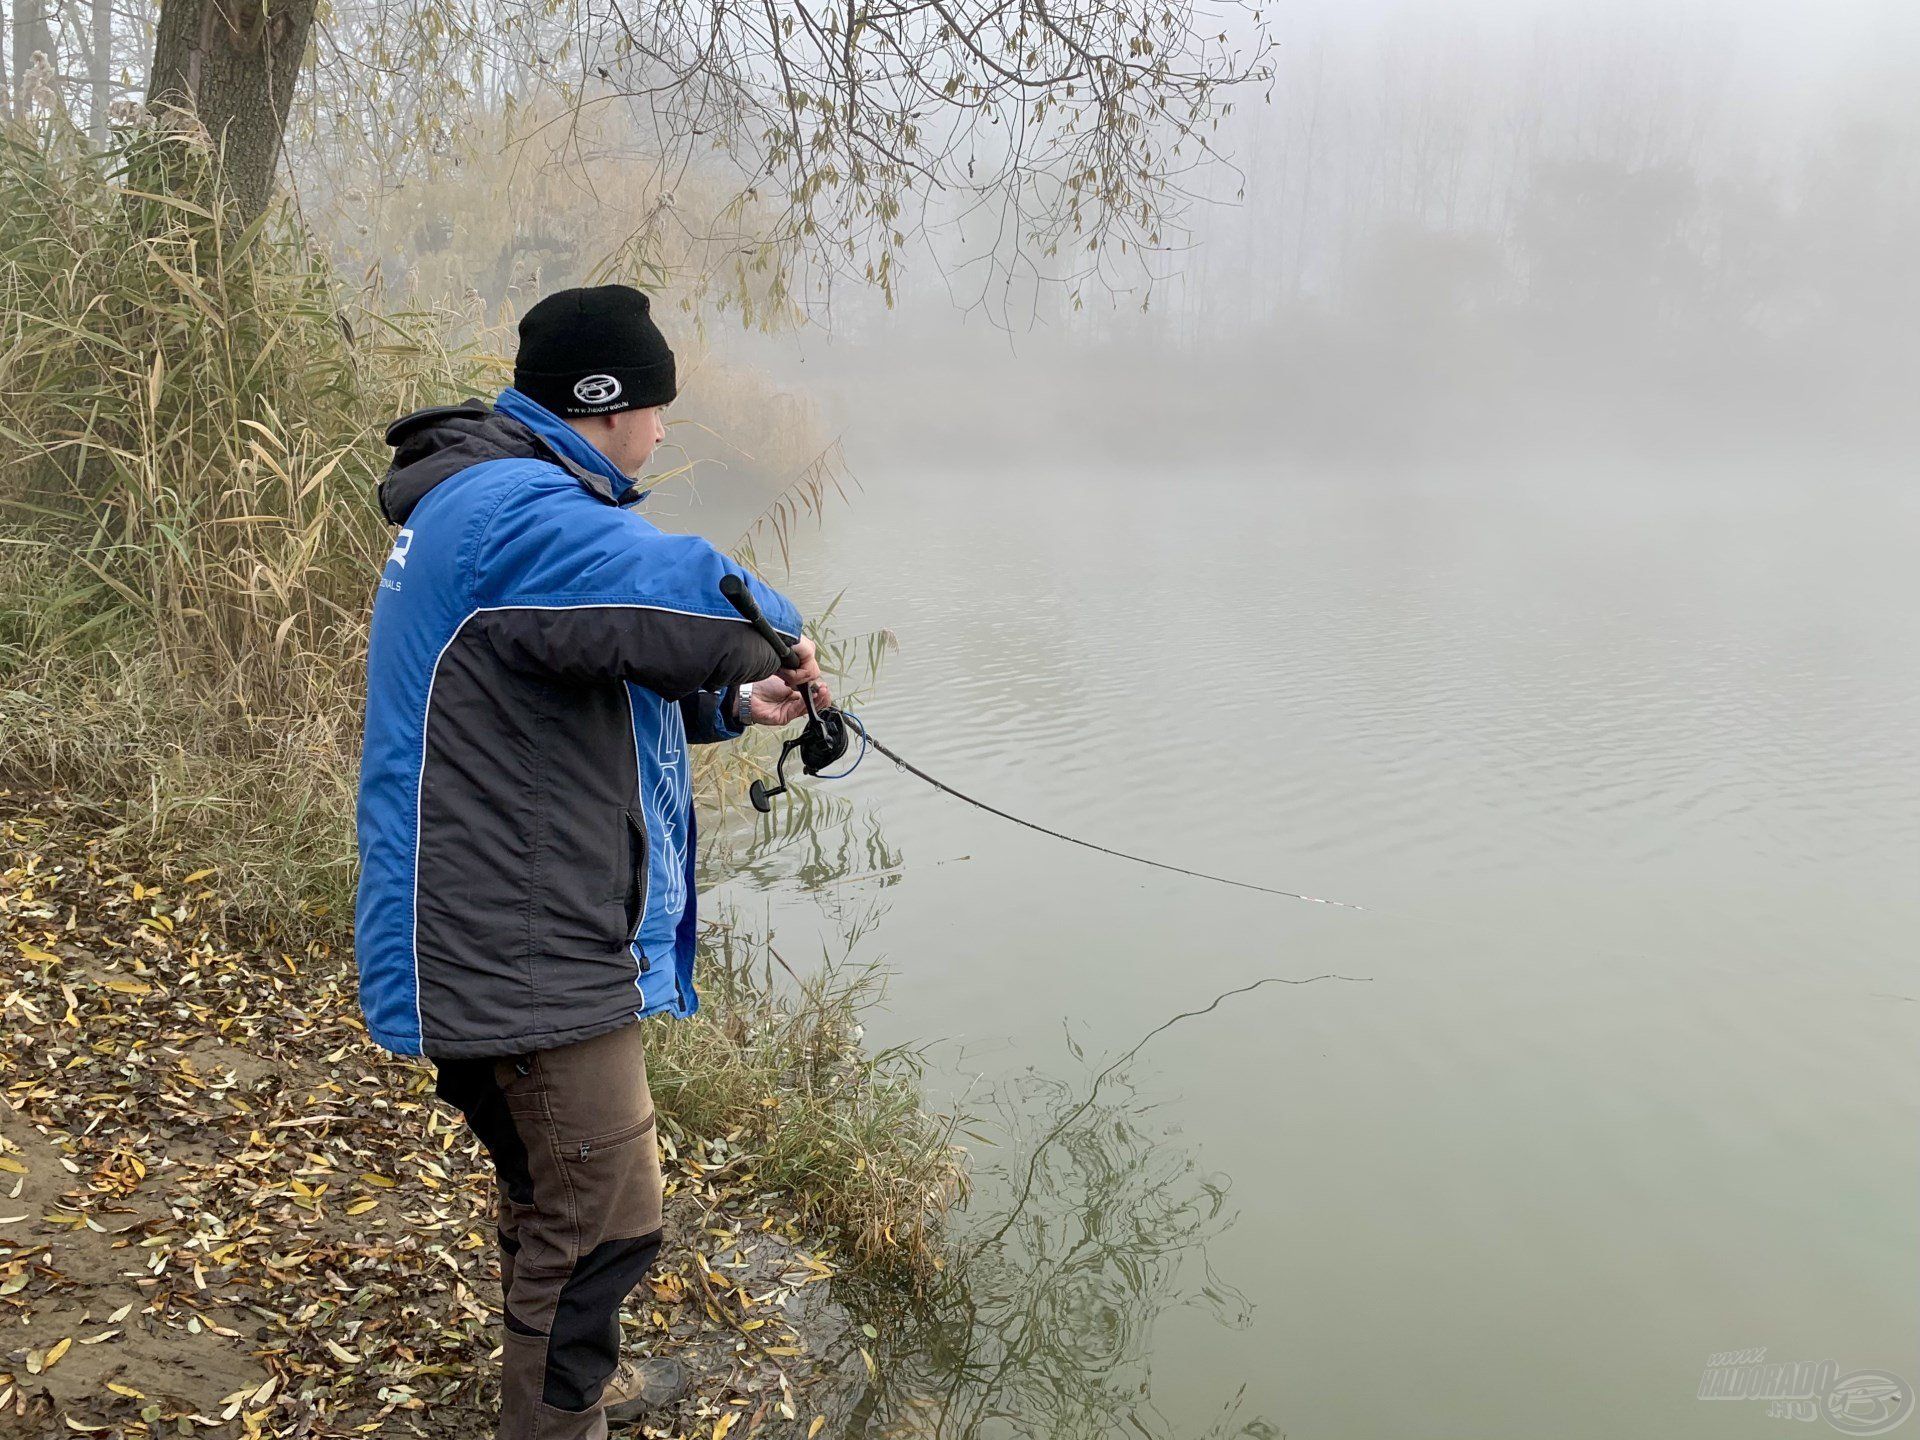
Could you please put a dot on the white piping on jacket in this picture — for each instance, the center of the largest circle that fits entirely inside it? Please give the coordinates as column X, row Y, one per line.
column 420, row 779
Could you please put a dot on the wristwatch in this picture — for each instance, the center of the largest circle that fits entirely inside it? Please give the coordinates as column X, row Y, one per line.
column 743, row 707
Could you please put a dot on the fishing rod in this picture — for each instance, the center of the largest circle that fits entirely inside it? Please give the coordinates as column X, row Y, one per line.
column 829, row 730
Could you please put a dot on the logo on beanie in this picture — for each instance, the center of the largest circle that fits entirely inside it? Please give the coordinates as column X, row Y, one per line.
column 596, row 389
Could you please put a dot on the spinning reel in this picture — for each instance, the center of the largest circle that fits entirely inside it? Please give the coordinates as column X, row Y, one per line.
column 823, row 741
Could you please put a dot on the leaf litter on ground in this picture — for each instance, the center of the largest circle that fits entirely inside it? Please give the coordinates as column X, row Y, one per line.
column 225, row 1212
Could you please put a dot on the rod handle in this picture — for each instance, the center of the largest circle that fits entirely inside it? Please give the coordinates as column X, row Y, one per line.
column 741, row 598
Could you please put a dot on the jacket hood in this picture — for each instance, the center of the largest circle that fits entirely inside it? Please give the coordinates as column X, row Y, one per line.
column 439, row 442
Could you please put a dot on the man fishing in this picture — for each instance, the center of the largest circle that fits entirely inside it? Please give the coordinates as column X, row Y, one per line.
column 540, row 660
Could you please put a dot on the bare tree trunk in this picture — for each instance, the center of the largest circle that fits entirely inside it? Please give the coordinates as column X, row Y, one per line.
column 233, row 63
column 32, row 33
column 100, row 67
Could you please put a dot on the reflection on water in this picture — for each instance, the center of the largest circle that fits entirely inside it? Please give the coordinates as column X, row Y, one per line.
column 815, row 840
column 1091, row 1221
column 1096, row 1220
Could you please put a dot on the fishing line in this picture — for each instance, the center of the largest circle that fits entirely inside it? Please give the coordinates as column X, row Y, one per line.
column 1469, row 927
column 828, row 733
column 824, row 739
column 867, row 739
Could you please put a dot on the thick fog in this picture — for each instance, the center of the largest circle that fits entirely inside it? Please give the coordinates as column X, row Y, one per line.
column 1539, row 228
column 1532, row 228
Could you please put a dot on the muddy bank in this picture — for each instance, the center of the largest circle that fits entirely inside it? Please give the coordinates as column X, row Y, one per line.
column 225, row 1212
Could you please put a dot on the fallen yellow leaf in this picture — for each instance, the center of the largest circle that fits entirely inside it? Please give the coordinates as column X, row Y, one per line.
column 53, row 1355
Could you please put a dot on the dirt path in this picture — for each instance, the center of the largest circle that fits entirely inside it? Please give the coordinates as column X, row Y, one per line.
column 224, row 1212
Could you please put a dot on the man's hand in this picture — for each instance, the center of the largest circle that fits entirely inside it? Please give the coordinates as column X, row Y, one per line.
column 780, row 698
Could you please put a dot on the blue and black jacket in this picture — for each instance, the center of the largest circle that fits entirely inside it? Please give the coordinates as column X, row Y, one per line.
column 540, row 660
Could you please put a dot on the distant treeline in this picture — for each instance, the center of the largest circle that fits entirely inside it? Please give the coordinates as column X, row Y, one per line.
column 1583, row 224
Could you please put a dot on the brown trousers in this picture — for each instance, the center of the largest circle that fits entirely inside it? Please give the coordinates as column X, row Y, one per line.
column 571, row 1135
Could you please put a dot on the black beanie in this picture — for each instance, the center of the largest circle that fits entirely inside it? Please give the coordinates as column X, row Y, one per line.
column 593, row 351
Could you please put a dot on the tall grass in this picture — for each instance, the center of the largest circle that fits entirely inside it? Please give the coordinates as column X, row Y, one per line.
column 190, row 418
column 777, row 1067
column 189, row 435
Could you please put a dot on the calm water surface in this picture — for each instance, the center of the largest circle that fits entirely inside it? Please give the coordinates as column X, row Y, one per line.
column 1626, row 767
